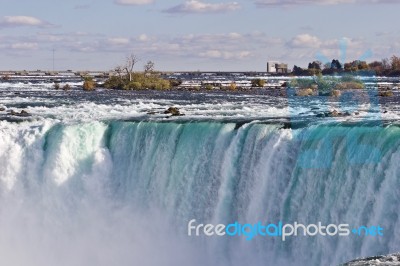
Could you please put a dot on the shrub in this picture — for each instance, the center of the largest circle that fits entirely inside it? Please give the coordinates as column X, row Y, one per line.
column 208, row 87
column 386, row 93
column 326, row 84
column 175, row 82
column 114, row 82
column 195, row 88
column 349, row 85
column 139, row 81
column 66, row 87
column 349, row 78
column 258, row 82
column 133, row 85
column 158, row 86
column 336, row 93
column 155, row 83
column 301, row 83
column 304, row 92
column 166, row 85
column 89, row 84
column 56, row 85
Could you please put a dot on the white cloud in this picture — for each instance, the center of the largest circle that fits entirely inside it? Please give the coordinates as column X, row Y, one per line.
column 300, row 2
column 24, row 46
column 214, row 39
column 18, row 21
column 143, row 38
column 234, row 35
column 133, row 2
column 225, row 46
column 320, row 2
column 195, row 6
column 211, row 54
column 313, row 43
column 118, row 41
column 304, row 41
column 218, row 54
column 229, row 50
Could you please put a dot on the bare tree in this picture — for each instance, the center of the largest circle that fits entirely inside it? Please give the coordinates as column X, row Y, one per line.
column 149, row 67
column 395, row 62
column 131, row 61
column 119, row 70
column 386, row 64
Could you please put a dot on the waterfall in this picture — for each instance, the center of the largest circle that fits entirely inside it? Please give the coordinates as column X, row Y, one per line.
column 122, row 193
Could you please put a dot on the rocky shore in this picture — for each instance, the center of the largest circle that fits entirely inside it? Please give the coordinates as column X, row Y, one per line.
column 393, row 259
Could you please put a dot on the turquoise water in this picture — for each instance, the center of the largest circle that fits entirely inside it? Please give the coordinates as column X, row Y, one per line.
column 106, row 178
column 123, row 192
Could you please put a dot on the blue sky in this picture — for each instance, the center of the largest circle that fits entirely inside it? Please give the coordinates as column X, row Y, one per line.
column 194, row 34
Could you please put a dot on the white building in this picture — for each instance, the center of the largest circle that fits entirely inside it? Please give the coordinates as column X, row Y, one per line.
column 271, row 66
column 277, row 67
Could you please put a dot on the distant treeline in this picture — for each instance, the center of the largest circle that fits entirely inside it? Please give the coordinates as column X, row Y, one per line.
column 385, row 67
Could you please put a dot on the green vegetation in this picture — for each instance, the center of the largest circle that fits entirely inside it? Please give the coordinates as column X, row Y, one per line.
column 350, row 85
column 175, row 82
column 126, row 79
column 325, row 85
column 115, row 82
column 258, row 82
column 137, row 81
column 386, row 93
column 385, row 67
column 209, row 87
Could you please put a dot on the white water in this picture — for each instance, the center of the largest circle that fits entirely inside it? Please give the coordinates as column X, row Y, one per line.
column 43, row 102
column 122, row 193
column 80, row 187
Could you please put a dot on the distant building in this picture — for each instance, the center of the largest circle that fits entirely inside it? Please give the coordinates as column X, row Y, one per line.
column 281, row 68
column 271, row 66
column 274, row 67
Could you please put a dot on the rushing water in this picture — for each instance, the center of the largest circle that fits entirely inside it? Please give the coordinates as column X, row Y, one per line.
column 105, row 178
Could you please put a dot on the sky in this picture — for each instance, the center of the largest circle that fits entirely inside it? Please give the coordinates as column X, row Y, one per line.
column 205, row 35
